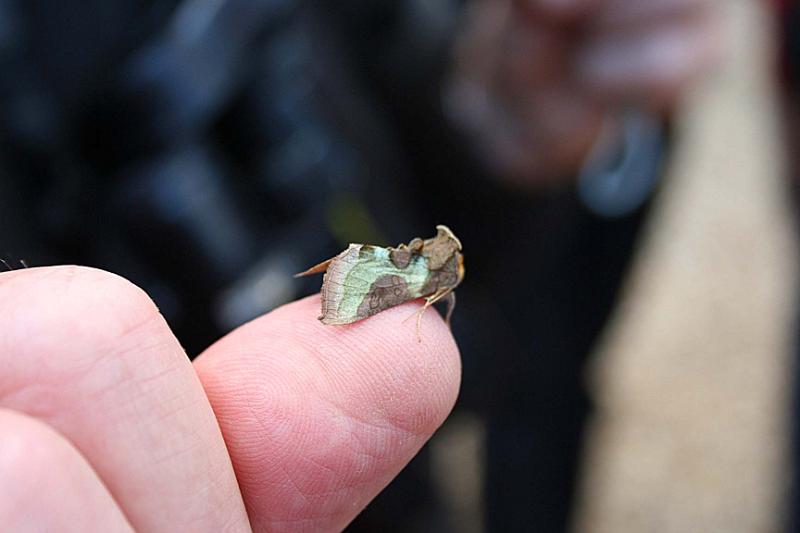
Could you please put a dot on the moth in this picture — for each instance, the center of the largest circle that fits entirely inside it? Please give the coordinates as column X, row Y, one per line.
column 364, row 280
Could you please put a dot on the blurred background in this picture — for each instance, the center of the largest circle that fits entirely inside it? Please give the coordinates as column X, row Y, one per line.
column 620, row 173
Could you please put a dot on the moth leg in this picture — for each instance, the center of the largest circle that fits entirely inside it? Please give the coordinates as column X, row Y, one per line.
column 429, row 301
column 418, row 313
column 419, row 320
column 450, row 300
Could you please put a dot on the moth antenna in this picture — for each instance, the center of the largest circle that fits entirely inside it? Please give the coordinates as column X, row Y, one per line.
column 6, row 264
column 450, row 299
column 23, row 263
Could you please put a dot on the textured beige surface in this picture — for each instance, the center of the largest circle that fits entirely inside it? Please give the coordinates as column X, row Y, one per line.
column 691, row 380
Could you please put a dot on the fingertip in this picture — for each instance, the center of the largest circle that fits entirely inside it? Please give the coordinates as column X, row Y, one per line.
column 318, row 419
column 380, row 353
column 429, row 358
column 84, row 295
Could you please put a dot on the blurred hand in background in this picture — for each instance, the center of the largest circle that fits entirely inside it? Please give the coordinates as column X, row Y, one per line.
column 536, row 81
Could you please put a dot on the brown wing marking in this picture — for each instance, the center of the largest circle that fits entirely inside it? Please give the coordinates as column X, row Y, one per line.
column 387, row 291
column 446, row 276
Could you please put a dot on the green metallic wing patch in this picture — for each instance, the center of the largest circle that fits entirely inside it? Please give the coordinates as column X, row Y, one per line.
column 363, row 281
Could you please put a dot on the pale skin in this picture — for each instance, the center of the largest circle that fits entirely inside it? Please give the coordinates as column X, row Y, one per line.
column 283, row 425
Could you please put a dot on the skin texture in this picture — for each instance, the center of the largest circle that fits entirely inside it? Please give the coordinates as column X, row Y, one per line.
column 283, row 425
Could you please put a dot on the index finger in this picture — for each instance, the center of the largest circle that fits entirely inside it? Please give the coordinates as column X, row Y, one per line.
column 318, row 419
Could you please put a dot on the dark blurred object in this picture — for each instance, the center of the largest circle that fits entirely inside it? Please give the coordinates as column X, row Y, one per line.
column 207, row 150
column 789, row 24
column 180, row 144
column 789, row 21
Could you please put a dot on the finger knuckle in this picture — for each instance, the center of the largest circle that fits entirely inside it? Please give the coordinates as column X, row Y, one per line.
column 103, row 297
column 62, row 320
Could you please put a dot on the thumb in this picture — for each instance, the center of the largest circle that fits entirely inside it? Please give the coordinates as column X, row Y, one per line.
column 318, row 419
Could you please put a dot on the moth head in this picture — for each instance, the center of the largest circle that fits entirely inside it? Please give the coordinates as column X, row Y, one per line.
column 461, row 271
column 448, row 233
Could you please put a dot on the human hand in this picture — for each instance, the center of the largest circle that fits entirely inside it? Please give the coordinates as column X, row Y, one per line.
column 535, row 81
column 105, row 425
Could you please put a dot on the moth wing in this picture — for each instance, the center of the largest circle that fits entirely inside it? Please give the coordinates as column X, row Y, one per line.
column 335, row 286
column 372, row 300
column 352, row 292
column 316, row 269
column 386, row 293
